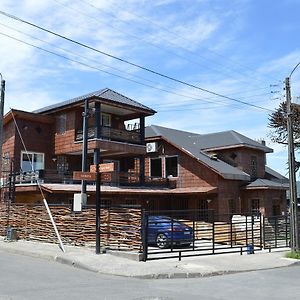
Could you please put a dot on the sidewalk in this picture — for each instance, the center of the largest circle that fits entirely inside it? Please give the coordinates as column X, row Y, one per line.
column 85, row 258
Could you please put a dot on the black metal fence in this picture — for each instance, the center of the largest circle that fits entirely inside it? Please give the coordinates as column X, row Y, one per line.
column 178, row 234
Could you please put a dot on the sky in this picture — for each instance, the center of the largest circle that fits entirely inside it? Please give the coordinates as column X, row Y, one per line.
column 230, row 56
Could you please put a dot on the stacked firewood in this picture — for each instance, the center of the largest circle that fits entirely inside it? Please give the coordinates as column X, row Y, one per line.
column 120, row 227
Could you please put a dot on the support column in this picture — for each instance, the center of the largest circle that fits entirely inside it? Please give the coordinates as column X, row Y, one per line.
column 142, row 169
column 98, row 199
column 84, row 150
column 142, row 129
column 97, row 120
column 142, row 158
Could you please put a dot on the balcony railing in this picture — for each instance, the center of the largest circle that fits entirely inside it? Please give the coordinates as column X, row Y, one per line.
column 113, row 178
column 112, row 134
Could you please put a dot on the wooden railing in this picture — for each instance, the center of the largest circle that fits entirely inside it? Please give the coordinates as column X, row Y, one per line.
column 111, row 178
column 113, row 134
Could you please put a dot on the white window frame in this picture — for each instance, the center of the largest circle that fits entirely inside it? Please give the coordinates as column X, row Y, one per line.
column 32, row 161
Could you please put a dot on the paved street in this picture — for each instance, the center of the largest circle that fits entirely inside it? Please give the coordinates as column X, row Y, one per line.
column 23, row 277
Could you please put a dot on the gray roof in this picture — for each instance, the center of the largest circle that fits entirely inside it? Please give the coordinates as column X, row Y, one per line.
column 277, row 176
column 184, row 141
column 106, row 93
column 221, row 140
column 226, row 139
column 265, row 183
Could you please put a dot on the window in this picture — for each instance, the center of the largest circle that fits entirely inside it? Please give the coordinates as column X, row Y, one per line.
column 253, row 166
column 105, row 120
column 171, row 166
column 31, row 161
column 255, row 206
column 231, row 206
column 155, row 167
column 61, row 124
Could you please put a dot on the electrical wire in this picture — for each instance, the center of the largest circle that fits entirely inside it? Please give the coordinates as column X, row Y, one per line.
column 154, row 45
column 175, row 34
column 131, row 63
column 122, row 71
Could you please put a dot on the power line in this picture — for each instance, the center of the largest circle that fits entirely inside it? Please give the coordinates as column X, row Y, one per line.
column 103, row 71
column 149, row 43
column 175, row 34
column 210, row 99
column 131, row 63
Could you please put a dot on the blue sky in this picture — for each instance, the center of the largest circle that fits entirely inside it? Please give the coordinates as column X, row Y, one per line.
column 242, row 49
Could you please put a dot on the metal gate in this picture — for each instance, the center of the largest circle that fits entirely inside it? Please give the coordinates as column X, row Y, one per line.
column 177, row 234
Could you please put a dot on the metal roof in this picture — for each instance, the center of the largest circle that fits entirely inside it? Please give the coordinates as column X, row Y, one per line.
column 266, row 184
column 185, row 140
column 227, row 139
column 218, row 140
column 106, row 94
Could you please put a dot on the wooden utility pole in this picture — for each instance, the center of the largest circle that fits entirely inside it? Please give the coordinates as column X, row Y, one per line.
column 292, row 171
column 1, row 122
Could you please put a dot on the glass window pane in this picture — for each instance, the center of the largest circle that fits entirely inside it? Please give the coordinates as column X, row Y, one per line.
column 171, row 166
column 155, row 167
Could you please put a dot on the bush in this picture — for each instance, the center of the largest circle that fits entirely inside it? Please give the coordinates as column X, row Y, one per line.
column 293, row 254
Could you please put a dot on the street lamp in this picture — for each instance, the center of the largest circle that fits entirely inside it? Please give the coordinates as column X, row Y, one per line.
column 292, row 171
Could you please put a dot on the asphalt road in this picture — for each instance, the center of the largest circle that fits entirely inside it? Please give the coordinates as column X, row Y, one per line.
column 24, row 277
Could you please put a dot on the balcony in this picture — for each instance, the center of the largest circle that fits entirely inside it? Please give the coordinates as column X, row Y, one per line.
column 113, row 179
column 111, row 134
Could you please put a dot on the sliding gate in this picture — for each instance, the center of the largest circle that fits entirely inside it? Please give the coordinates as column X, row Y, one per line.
column 178, row 234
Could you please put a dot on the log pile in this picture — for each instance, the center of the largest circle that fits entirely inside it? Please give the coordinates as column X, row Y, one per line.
column 120, row 227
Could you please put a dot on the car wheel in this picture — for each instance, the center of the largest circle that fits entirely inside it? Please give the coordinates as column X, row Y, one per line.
column 162, row 241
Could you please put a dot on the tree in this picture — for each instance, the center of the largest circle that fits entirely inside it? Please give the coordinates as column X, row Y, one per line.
column 278, row 123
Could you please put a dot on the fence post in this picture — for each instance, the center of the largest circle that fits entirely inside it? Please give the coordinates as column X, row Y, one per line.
column 252, row 230
column 260, row 231
column 276, row 229
column 231, row 243
column 172, row 232
column 213, row 234
column 145, row 234
column 286, row 231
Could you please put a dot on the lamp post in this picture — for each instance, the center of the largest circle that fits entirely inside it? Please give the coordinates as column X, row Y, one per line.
column 292, row 171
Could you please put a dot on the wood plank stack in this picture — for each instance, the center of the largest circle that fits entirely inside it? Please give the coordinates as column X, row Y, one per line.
column 120, row 227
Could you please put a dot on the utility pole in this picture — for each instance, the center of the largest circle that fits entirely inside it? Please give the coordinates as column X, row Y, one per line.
column 292, row 171
column 1, row 122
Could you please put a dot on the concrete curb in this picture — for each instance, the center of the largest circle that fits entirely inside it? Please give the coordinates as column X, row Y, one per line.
column 156, row 274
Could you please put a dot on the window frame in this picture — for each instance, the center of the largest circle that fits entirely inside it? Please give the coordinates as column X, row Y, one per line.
column 61, row 124
column 32, row 163
column 109, row 119
column 165, row 166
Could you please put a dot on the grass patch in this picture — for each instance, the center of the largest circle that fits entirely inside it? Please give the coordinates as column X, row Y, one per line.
column 293, row 254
